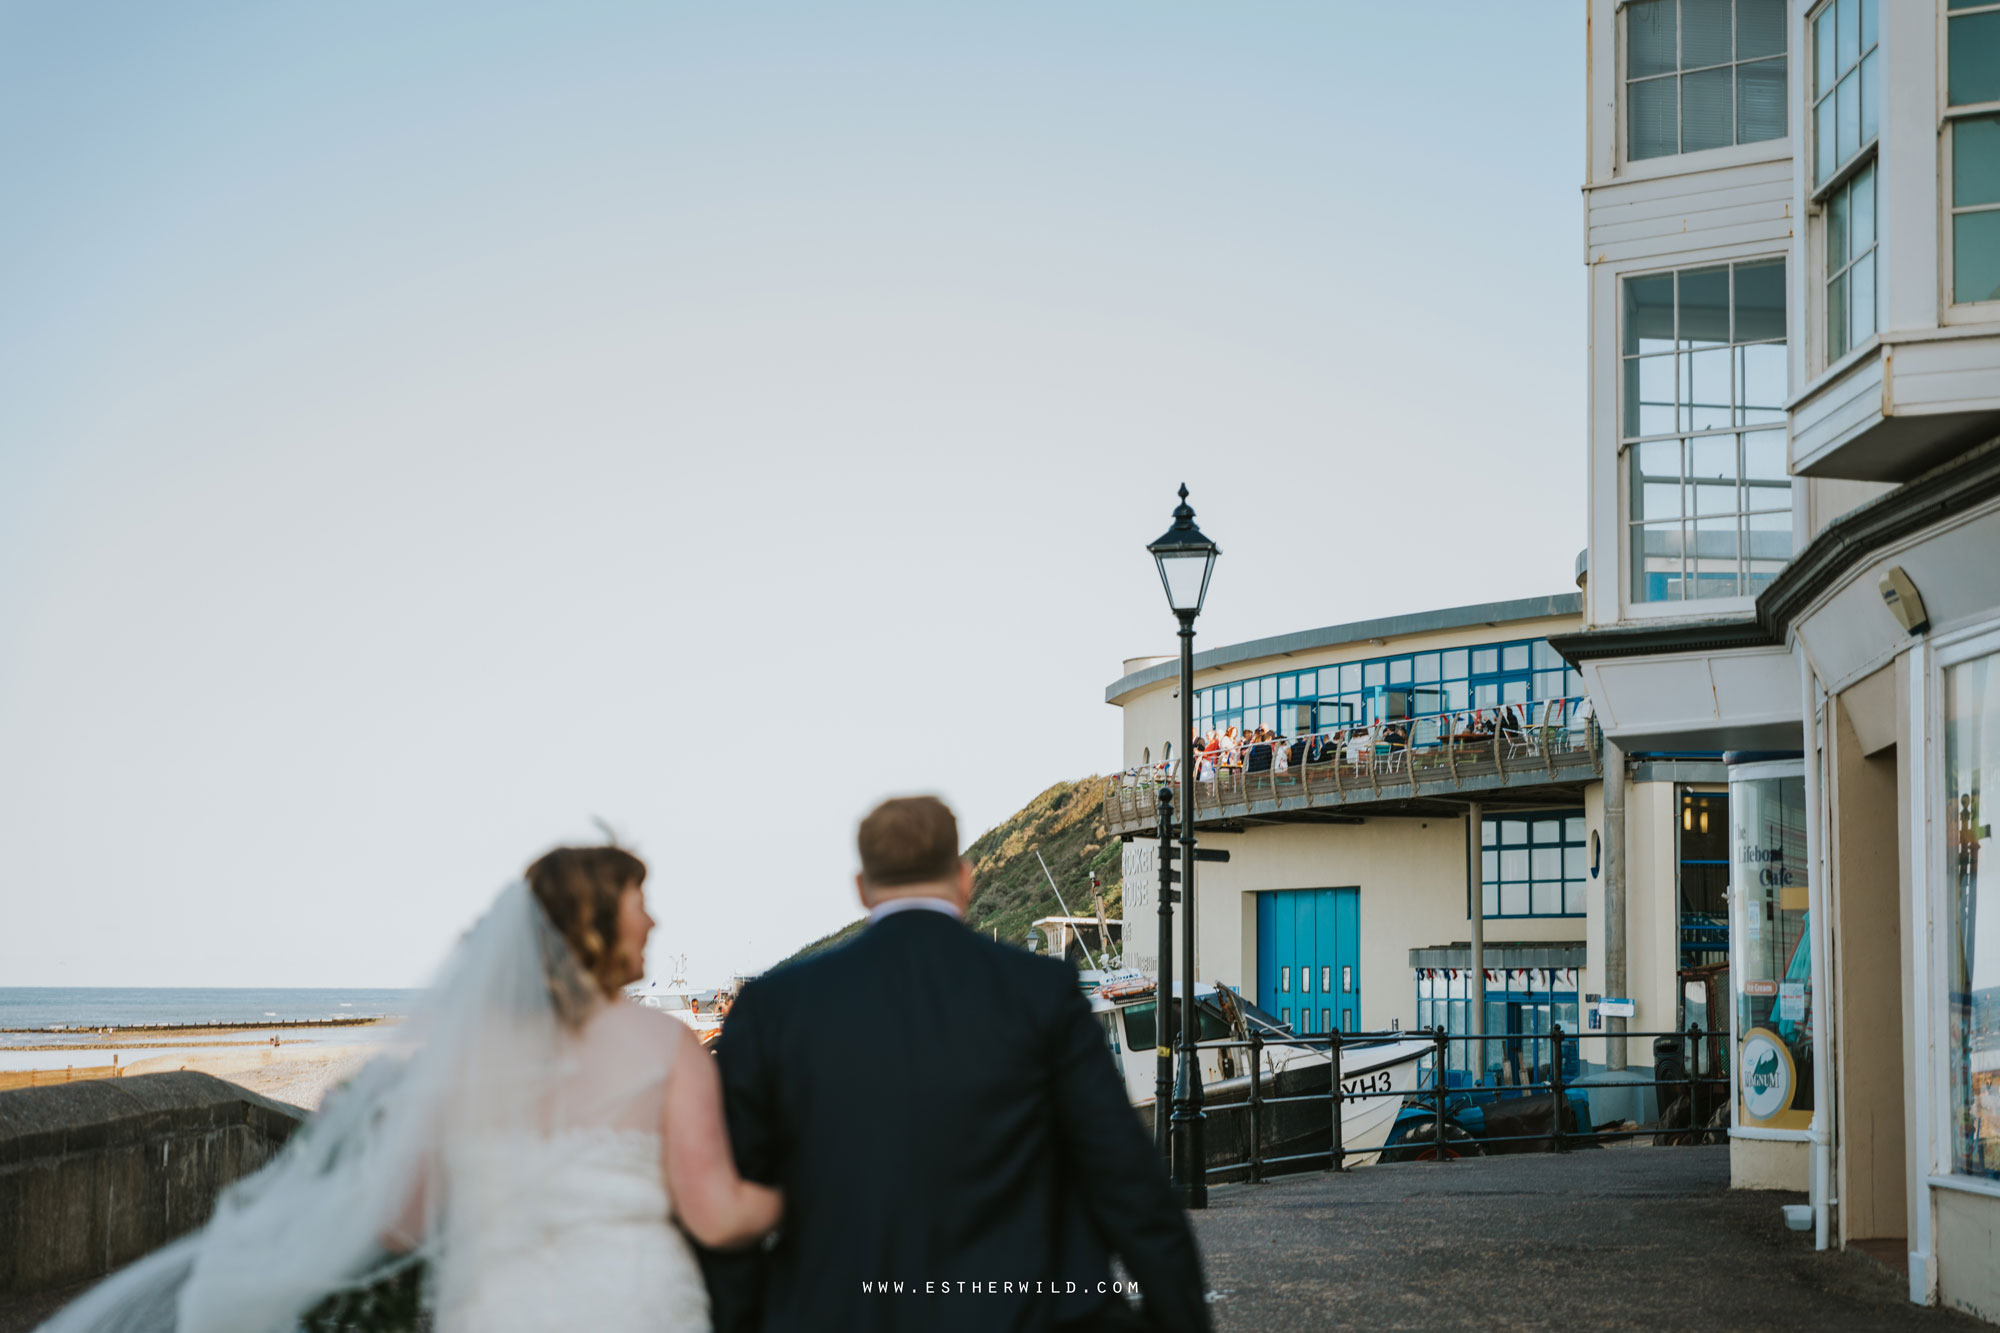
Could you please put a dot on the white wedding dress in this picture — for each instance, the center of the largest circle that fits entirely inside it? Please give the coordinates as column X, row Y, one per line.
column 510, row 1144
column 567, row 1227
column 598, row 1253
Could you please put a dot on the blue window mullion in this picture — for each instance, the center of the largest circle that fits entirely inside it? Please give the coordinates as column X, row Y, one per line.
column 1346, row 693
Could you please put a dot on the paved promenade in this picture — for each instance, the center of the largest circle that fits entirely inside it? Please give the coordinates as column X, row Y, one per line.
column 1614, row 1238
column 1618, row 1238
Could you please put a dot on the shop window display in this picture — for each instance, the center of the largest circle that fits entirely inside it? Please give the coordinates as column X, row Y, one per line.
column 1972, row 918
column 1772, row 939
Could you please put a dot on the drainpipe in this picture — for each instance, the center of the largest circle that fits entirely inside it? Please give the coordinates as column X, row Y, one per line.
column 1476, row 895
column 1917, row 929
column 1614, row 898
column 1818, row 894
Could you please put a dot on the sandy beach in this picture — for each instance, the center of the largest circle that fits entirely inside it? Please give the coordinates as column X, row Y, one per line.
column 301, row 1075
column 301, row 1069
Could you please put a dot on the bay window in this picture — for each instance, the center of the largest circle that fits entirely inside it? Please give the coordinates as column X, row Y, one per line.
column 1846, row 84
column 1703, row 425
column 1850, row 263
column 1846, row 115
column 1703, row 74
column 1972, row 144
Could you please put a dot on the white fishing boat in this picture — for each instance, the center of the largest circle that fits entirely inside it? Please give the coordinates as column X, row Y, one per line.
column 701, row 1010
column 1375, row 1076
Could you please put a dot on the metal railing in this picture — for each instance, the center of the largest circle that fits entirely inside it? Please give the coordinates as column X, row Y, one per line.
column 1401, row 760
column 1704, row 939
column 1447, row 1137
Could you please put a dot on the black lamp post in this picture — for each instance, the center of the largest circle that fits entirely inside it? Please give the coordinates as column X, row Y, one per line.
column 1163, row 1066
column 1186, row 558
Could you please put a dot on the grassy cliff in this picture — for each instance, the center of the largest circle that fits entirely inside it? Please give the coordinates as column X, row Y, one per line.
column 1066, row 824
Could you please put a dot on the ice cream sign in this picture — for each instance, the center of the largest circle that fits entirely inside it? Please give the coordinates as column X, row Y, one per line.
column 1764, row 1074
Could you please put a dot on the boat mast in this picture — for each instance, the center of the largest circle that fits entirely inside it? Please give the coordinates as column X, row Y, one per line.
column 1065, row 907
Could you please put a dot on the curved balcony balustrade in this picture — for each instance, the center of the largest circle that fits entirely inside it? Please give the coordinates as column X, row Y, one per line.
column 1424, row 766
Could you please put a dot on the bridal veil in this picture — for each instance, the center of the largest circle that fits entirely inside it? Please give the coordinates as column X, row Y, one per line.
column 362, row 1190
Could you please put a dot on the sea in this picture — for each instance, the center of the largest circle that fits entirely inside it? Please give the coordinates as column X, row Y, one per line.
column 125, row 1006
column 48, row 1027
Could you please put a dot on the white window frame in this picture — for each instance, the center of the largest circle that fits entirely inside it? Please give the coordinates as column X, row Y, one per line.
column 1819, row 198
column 1732, row 153
column 1864, row 150
column 1824, row 280
column 1669, row 608
column 1954, row 310
column 1933, row 1076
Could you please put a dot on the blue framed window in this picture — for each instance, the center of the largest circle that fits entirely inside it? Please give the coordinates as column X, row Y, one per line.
column 1703, row 862
column 1524, row 1017
column 1406, row 685
column 1533, row 865
column 1521, row 1005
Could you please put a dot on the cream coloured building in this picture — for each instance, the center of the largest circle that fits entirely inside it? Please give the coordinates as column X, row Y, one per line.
column 1346, row 901
column 1792, row 235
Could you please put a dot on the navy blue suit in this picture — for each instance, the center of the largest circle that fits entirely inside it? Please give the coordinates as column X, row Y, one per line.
column 942, row 1112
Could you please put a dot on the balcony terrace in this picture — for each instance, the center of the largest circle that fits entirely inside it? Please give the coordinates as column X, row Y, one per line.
column 1442, row 763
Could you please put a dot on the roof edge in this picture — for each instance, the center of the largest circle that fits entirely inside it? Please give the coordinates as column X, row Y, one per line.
column 1357, row 631
column 1824, row 563
column 1677, row 636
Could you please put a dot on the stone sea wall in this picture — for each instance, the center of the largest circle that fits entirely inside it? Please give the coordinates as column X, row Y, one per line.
column 93, row 1175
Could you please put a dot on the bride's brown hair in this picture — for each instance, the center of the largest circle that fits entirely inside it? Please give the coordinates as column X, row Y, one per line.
column 579, row 889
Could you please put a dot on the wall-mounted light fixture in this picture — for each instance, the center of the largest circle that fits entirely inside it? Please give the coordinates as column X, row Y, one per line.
column 1903, row 599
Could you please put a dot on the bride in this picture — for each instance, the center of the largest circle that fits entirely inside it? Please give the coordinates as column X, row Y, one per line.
column 524, row 1161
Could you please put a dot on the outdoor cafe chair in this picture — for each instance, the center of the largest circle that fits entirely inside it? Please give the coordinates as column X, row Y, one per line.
column 1524, row 738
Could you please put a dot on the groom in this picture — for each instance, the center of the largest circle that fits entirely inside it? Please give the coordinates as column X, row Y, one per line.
column 954, row 1143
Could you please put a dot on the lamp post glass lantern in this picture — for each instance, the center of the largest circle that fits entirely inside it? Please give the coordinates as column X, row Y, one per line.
column 1186, row 559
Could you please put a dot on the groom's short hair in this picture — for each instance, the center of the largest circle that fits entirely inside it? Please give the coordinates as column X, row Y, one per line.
column 908, row 840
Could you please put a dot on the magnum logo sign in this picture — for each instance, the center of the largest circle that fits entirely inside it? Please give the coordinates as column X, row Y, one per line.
column 1766, row 1079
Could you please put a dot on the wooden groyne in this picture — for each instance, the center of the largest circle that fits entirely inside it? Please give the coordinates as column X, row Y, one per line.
column 48, row 1078
column 358, row 1020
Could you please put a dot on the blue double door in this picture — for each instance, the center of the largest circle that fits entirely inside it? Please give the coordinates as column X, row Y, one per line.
column 1309, row 958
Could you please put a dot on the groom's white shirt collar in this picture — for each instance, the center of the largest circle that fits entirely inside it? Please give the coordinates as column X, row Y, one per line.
column 891, row 906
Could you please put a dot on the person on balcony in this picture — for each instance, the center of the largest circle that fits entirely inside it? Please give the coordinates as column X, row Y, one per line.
column 1360, row 745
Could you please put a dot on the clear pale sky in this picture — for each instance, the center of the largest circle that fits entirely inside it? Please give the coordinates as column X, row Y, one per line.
column 424, row 428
